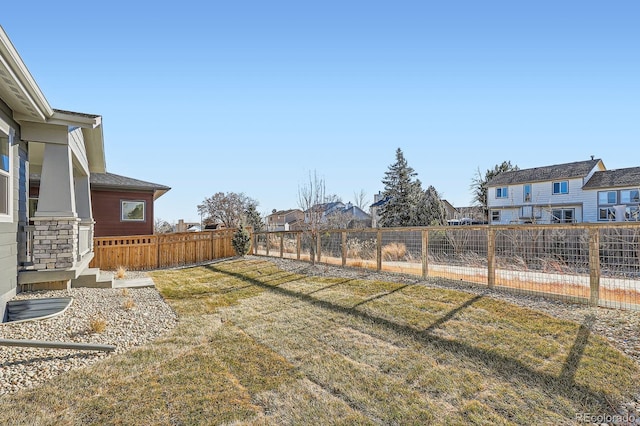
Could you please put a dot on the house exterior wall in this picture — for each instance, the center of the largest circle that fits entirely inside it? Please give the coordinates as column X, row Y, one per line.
column 106, row 204
column 543, row 201
column 9, row 229
column 592, row 206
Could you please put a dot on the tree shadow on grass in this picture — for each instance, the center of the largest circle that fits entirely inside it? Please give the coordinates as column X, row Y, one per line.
column 505, row 366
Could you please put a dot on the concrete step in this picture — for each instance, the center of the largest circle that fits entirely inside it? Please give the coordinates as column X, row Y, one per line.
column 93, row 278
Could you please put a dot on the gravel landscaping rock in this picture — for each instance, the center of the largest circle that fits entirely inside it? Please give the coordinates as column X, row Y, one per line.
column 131, row 318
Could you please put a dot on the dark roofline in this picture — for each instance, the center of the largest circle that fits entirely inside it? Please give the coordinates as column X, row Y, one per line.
column 572, row 170
column 616, row 178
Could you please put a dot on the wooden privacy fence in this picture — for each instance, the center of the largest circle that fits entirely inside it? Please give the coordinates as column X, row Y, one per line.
column 142, row 252
column 596, row 264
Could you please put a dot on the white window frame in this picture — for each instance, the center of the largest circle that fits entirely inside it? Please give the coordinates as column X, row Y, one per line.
column 495, row 215
column 610, row 214
column 560, row 191
column 7, row 131
column 632, row 213
column 122, row 210
column 628, row 193
column 526, row 193
column 605, row 195
column 563, row 218
column 502, row 192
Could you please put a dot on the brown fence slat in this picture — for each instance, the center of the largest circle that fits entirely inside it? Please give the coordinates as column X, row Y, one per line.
column 144, row 252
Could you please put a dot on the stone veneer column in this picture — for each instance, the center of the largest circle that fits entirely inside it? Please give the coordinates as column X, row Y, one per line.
column 55, row 242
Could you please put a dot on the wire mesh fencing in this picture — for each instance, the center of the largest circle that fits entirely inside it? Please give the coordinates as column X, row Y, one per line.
column 597, row 264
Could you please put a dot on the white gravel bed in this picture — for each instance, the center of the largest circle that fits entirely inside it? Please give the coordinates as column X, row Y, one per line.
column 131, row 317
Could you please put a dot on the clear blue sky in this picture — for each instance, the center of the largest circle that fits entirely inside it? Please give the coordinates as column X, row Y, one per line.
column 252, row 96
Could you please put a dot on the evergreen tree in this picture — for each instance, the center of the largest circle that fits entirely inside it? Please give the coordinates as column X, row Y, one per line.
column 435, row 212
column 253, row 217
column 419, row 208
column 241, row 241
column 402, row 192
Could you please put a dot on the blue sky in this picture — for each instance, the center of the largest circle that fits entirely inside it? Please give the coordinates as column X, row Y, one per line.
column 252, row 96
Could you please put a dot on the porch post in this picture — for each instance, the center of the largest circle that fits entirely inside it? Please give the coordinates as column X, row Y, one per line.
column 57, row 194
column 55, row 238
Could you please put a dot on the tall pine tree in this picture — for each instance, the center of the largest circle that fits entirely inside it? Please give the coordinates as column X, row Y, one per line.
column 401, row 190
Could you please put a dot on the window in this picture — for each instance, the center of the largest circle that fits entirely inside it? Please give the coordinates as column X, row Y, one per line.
column 630, row 196
column 495, row 215
column 563, row 216
column 132, row 211
column 5, row 174
column 501, row 192
column 607, row 197
column 607, row 213
column 527, row 193
column 632, row 213
column 561, row 187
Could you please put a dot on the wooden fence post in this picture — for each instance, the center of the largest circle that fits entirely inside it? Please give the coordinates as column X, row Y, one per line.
column 267, row 243
column 491, row 257
column 157, row 240
column 255, row 243
column 379, row 250
column 298, row 248
column 425, row 253
column 281, row 245
column 343, row 237
column 594, row 266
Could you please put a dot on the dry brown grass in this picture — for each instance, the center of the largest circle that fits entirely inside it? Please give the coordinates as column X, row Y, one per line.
column 97, row 324
column 258, row 345
column 121, row 272
column 128, row 304
column 394, row 251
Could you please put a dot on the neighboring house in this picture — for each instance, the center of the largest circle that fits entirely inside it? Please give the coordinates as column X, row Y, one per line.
column 284, row 220
column 341, row 215
column 64, row 148
column 183, row 226
column 121, row 205
column 450, row 211
column 582, row 191
column 618, row 195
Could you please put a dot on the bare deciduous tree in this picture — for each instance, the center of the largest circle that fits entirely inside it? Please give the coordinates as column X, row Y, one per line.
column 228, row 209
column 161, row 226
column 360, row 199
column 311, row 197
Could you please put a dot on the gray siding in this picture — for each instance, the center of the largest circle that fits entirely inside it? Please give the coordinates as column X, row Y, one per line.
column 9, row 230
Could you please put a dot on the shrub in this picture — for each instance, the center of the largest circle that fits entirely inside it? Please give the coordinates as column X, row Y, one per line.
column 241, row 241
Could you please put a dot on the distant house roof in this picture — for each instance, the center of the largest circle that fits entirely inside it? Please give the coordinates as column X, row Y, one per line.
column 538, row 174
column 614, row 178
column 381, row 202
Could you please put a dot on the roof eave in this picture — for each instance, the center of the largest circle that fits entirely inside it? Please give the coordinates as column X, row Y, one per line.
column 10, row 58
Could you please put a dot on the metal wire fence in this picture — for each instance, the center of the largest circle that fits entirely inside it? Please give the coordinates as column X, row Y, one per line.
column 597, row 264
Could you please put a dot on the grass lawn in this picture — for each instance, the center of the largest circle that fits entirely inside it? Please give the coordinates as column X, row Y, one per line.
column 258, row 345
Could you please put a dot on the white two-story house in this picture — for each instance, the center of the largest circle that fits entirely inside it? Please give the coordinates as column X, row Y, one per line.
column 582, row 191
